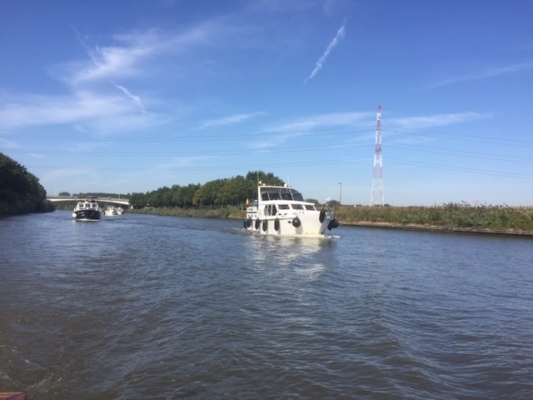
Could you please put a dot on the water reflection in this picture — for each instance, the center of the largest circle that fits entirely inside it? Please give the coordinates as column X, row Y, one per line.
column 304, row 256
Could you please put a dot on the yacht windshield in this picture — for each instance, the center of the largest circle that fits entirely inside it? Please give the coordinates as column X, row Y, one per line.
column 282, row 193
column 297, row 196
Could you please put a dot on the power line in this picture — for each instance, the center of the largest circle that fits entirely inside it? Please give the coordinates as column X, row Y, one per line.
column 462, row 153
column 460, row 169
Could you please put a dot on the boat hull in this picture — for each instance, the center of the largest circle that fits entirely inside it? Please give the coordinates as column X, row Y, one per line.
column 298, row 225
column 87, row 215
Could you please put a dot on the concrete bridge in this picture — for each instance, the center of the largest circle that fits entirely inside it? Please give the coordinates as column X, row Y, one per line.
column 123, row 202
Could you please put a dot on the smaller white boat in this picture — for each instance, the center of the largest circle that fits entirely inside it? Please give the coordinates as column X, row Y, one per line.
column 120, row 211
column 282, row 211
column 87, row 210
column 110, row 211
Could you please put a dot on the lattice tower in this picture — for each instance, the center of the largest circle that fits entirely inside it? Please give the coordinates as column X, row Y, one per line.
column 377, row 196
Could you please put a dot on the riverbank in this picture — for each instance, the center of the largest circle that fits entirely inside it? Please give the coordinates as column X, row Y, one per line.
column 443, row 229
column 451, row 218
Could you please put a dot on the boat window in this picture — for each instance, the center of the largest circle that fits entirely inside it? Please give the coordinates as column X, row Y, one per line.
column 297, row 196
column 286, row 196
column 284, row 207
column 270, row 210
column 274, row 195
column 281, row 194
column 297, row 207
column 308, row 207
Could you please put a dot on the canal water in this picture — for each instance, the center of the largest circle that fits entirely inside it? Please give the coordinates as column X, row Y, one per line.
column 150, row 307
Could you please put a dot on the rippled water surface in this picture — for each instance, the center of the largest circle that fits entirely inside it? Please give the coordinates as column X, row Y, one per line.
column 146, row 307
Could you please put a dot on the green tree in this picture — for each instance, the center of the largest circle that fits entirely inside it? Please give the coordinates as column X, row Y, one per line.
column 187, row 194
column 216, row 193
column 209, row 194
column 267, row 179
column 20, row 191
column 137, row 200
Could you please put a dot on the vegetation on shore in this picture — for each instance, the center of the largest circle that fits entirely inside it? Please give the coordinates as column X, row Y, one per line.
column 218, row 193
column 448, row 216
column 225, row 198
column 219, row 213
column 20, row 191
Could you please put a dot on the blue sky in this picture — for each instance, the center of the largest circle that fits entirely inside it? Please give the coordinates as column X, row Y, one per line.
column 131, row 96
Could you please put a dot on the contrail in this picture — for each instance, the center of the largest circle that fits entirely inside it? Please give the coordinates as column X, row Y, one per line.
column 340, row 34
column 136, row 99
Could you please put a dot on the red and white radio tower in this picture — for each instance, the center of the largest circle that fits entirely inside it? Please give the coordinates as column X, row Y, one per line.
column 377, row 197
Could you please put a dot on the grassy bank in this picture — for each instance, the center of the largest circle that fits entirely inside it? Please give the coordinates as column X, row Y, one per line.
column 452, row 216
column 221, row 213
column 448, row 216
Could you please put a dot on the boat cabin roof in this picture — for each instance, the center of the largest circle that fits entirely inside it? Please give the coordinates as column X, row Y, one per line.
column 88, row 203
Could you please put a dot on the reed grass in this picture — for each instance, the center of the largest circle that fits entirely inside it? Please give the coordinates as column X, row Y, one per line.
column 220, row 213
column 450, row 215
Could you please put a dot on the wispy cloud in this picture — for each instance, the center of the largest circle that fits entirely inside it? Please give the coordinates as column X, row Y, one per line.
column 486, row 73
column 86, row 102
column 283, row 132
column 340, row 34
column 136, row 99
column 125, row 56
column 114, row 61
column 232, row 119
column 313, row 122
column 433, row 121
column 81, row 109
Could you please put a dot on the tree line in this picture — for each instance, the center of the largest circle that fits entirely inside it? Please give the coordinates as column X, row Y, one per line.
column 217, row 193
column 20, row 190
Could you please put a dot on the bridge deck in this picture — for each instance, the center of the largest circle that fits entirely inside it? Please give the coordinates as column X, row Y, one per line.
column 56, row 199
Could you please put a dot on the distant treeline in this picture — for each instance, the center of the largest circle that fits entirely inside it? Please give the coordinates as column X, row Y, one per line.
column 20, row 191
column 213, row 194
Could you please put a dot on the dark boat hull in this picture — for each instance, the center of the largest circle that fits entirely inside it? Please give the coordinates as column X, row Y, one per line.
column 87, row 215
